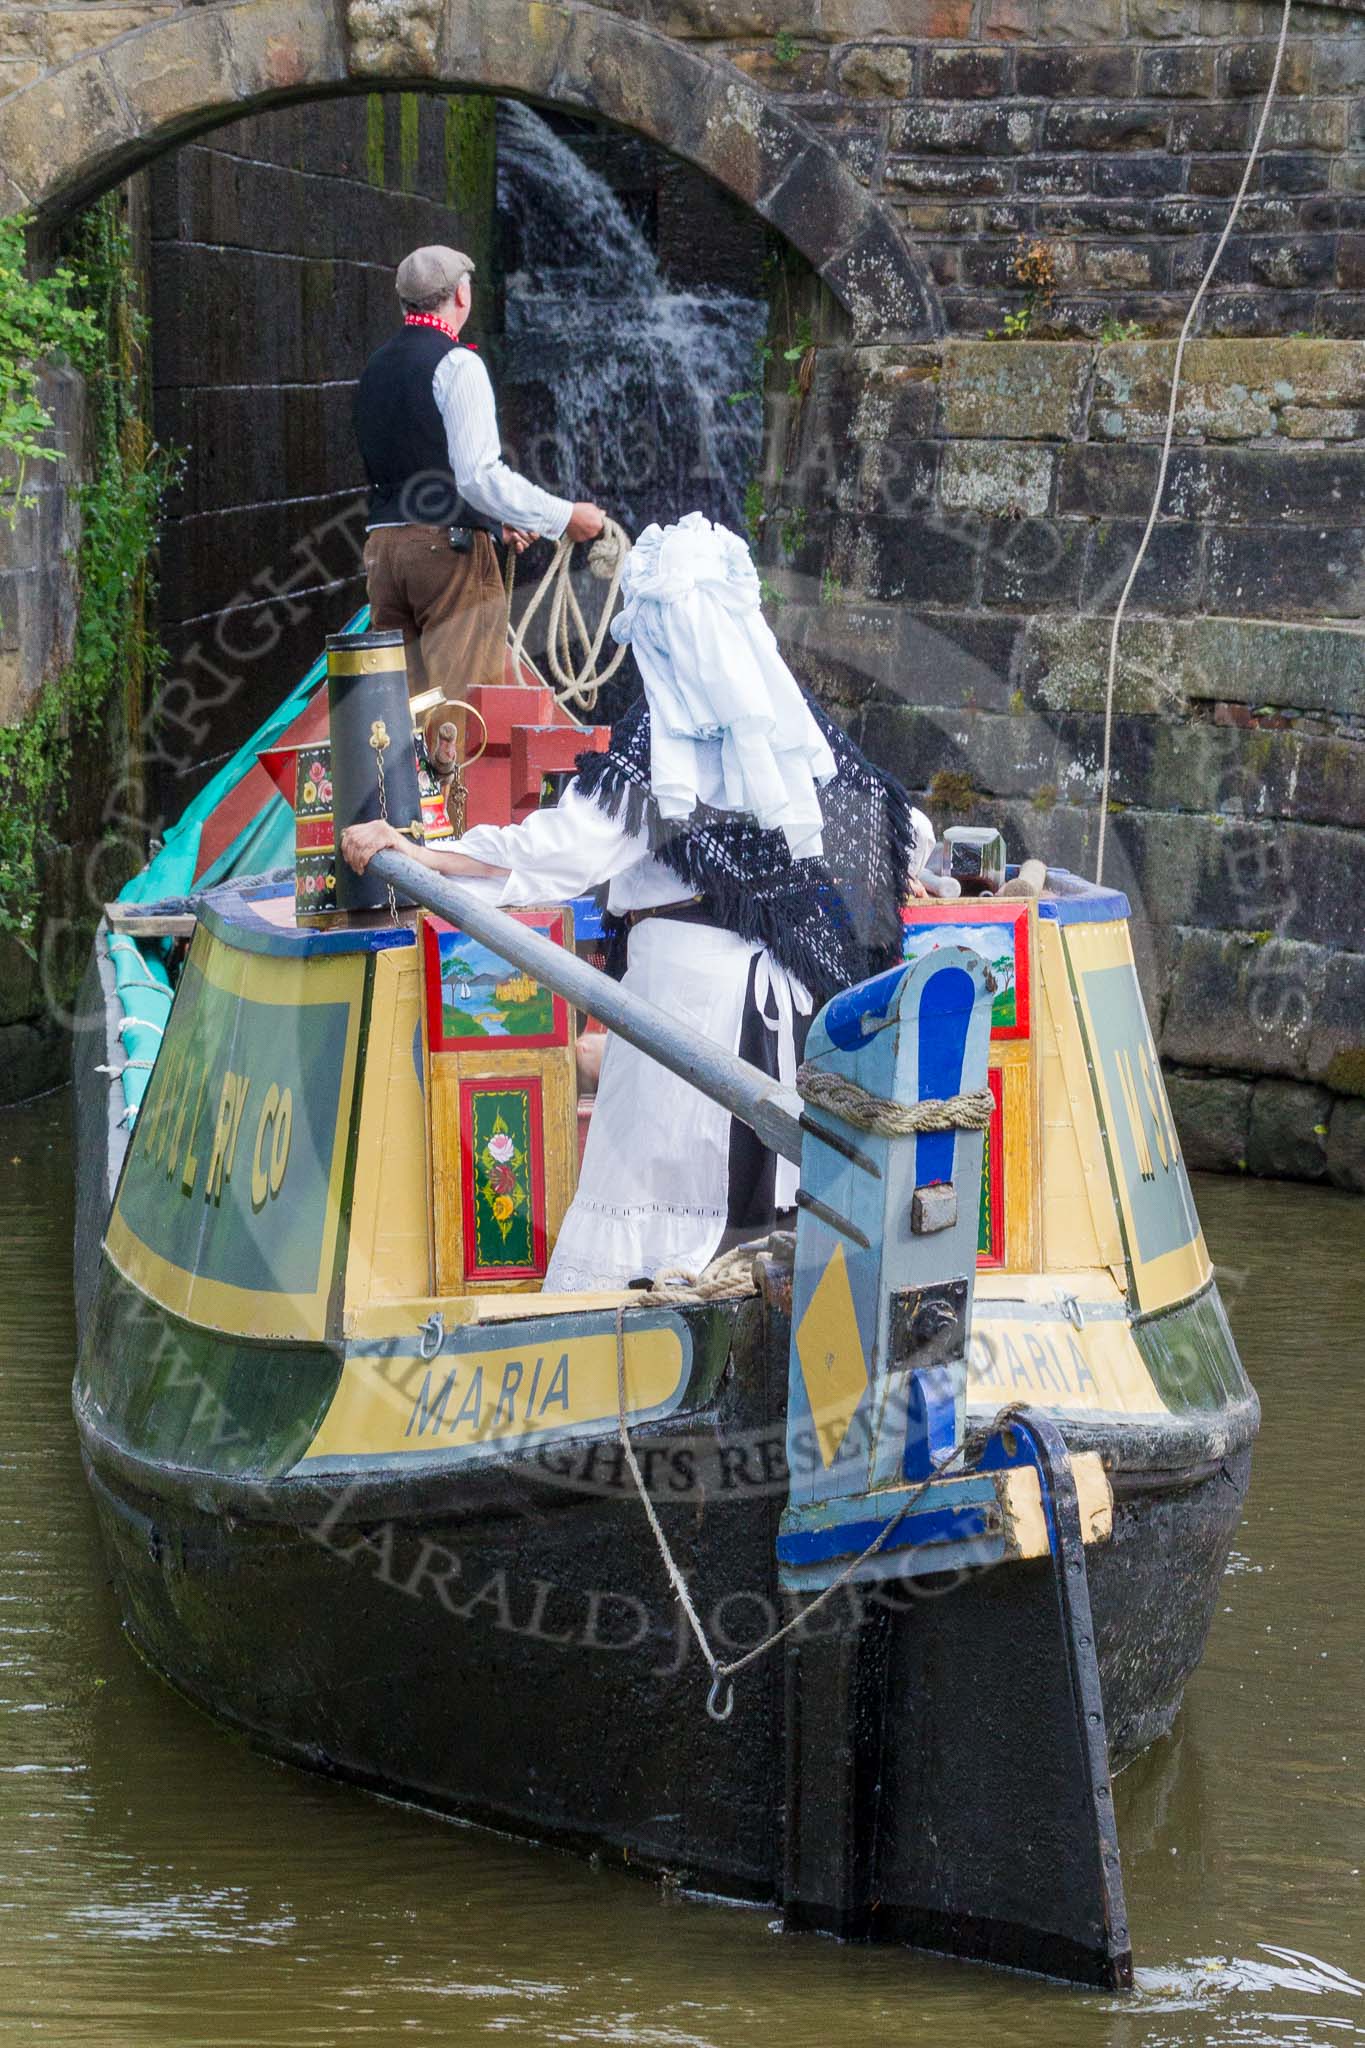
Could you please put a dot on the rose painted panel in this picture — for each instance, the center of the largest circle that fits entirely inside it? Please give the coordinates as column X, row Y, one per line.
column 502, row 1095
column 501, row 1139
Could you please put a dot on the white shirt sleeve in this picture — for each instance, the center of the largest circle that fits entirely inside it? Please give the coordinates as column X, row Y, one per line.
column 556, row 854
column 464, row 396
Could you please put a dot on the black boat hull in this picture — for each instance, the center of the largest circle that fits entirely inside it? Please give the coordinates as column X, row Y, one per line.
column 517, row 1659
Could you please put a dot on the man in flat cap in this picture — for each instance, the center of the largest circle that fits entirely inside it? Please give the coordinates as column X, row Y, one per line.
column 439, row 489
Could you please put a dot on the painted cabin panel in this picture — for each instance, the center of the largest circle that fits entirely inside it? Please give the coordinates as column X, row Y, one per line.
column 389, row 1258
column 1080, row 1226
column 229, row 1209
column 494, row 1392
column 1167, row 1257
column 503, row 1093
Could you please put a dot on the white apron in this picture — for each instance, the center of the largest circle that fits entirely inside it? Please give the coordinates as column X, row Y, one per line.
column 654, row 1186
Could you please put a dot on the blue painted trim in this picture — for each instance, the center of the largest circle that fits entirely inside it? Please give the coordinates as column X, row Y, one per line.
column 1096, row 906
column 227, row 914
column 587, row 918
column 964, row 1553
column 939, row 1525
column 956, row 1490
column 945, row 1012
column 850, row 1018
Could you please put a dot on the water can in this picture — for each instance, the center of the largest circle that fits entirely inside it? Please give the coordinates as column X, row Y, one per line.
column 374, row 757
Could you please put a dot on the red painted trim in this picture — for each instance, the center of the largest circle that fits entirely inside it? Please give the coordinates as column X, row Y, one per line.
column 980, row 910
column 995, row 1188
column 249, row 797
column 504, row 1084
column 548, row 922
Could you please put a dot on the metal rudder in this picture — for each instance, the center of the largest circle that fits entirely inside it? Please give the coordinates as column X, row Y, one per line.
column 947, row 1778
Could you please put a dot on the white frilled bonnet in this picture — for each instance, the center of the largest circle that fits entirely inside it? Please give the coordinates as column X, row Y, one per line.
column 728, row 724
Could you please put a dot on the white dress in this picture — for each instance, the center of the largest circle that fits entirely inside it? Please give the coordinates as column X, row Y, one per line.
column 654, row 1186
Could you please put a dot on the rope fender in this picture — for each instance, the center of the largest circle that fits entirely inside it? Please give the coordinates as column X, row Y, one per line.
column 884, row 1118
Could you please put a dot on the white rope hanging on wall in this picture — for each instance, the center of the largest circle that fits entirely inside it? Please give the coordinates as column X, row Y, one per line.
column 1185, row 332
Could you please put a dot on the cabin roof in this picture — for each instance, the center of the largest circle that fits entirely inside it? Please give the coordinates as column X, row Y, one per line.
column 258, row 917
column 1070, row 899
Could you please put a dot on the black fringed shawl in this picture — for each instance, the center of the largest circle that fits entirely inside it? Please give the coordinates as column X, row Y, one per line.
column 830, row 922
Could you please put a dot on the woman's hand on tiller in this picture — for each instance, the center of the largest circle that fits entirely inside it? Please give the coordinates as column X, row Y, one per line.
column 360, row 843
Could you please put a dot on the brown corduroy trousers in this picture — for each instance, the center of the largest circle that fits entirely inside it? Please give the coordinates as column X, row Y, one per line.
column 450, row 608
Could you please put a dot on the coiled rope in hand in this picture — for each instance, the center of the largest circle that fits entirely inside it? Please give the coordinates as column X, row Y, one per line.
column 574, row 685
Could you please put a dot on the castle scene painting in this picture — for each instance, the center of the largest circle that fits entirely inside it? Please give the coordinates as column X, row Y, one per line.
column 485, row 997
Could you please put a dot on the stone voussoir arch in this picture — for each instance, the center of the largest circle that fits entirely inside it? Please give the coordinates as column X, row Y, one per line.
column 90, row 122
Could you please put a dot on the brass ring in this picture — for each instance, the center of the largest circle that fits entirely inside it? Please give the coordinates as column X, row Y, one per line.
column 430, row 702
column 470, row 759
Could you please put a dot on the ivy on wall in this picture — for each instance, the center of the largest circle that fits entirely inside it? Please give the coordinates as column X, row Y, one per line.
column 86, row 309
column 38, row 318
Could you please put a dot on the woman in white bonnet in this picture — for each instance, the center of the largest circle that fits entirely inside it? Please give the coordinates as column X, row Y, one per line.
column 754, row 863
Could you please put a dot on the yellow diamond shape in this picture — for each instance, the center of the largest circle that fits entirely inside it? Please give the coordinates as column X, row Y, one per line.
column 831, row 1354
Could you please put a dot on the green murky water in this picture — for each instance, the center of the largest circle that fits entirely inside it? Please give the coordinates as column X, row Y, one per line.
column 160, row 1884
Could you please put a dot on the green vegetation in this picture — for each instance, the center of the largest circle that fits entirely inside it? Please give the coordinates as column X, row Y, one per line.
column 37, row 319
column 785, row 47
column 802, row 353
column 755, row 510
column 952, row 790
column 375, row 141
column 1034, row 267
column 1346, row 1071
column 1115, row 331
column 1016, row 326
column 85, row 309
column 793, row 531
column 763, row 355
column 471, row 177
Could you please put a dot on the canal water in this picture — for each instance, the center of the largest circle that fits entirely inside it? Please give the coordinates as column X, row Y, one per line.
column 163, row 1887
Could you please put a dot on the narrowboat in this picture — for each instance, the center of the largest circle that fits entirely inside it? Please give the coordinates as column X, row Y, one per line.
column 962, row 1458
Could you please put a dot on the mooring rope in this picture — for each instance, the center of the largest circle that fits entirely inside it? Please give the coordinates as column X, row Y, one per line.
column 720, row 1700
column 575, row 685
column 727, row 1278
column 733, row 1276
column 1160, row 491
column 888, row 1119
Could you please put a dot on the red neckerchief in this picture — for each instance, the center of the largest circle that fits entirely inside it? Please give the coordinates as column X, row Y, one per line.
column 443, row 327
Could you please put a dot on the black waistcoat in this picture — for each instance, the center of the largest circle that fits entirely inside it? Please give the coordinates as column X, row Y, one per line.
column 403, row 438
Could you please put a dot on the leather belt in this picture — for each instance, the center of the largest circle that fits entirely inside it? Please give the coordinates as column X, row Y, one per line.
column 692, row 910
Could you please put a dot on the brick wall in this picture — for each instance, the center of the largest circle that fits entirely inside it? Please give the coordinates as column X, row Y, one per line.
column 949, row 586
column 1113, row 130
column 273, row 247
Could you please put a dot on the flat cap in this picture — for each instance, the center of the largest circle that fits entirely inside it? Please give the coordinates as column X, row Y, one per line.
column 430, row 272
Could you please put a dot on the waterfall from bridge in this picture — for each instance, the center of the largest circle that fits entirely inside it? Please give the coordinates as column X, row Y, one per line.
column 617, row 386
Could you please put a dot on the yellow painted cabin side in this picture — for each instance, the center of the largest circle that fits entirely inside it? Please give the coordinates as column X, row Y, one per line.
column 1087, row 1227
column 1087, row 1218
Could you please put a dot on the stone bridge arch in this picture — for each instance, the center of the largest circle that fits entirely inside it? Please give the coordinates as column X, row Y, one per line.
column 85, row 124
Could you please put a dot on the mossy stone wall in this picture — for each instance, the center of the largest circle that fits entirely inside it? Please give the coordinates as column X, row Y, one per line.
column 948, row 529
